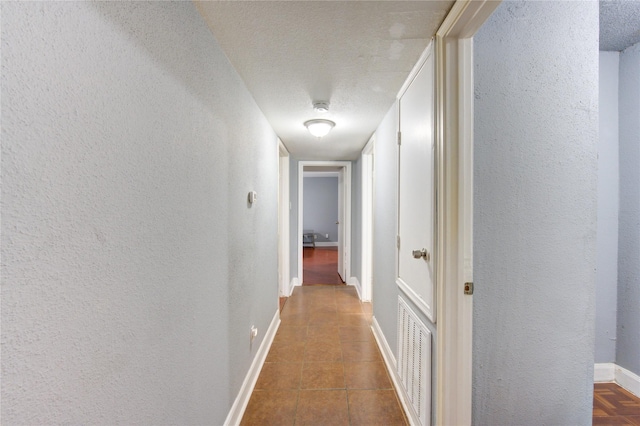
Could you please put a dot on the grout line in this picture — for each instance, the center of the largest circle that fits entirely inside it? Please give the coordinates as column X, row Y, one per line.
column 346, row 394
column 295, row 412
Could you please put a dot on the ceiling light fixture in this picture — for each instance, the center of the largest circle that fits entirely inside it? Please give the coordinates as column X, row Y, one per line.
column 319, row 127
column 321, row 106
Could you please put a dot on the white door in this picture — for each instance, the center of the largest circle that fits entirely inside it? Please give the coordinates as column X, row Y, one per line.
column 416, row 191
column 340, row 222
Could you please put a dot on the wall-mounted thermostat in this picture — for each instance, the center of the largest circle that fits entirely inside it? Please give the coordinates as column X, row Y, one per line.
column 253, row 197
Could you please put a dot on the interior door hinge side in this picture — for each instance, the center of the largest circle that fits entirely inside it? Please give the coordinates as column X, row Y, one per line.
column 399, row 138
column 468, row 288
column 398, row 241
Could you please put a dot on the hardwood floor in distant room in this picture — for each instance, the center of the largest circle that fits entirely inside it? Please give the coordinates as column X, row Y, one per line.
column 320, row 266
column 613, row 405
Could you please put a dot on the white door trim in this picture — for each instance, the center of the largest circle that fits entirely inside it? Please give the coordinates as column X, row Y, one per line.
column 454, row 200
column 346, row 165
column 283, row 221
column 367, row 220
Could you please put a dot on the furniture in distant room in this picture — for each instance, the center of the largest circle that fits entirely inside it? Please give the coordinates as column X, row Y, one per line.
column 308, row 238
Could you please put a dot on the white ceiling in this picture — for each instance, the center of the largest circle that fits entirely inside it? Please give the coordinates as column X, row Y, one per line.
column 354, row 54
column 619, row 24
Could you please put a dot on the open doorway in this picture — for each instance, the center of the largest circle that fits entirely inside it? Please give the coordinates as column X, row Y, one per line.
column 324, row 215
column 320, row 224
column 284, row 289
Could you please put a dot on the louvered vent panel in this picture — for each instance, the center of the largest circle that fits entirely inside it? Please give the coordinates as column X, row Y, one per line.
column 414, row 361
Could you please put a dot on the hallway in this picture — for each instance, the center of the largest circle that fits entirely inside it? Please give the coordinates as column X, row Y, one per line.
column 153, row 166
column 324, row 366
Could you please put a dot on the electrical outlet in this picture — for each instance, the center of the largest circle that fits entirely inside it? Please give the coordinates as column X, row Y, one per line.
column 254, row 332
column 326, row 236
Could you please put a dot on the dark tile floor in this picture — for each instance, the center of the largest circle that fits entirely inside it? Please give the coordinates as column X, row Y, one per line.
column 614, row 405
column 324, row 367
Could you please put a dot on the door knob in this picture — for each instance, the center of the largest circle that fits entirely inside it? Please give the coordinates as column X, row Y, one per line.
column 421, row 253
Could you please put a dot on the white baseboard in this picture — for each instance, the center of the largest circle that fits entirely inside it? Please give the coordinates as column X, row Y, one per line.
column 240, row 404
column 610, row 372
column 385, row 349
column 390, row 362
column 628, row 380
column 327, row 244
column 354, row 282
column 604, row 372
column 294, row 282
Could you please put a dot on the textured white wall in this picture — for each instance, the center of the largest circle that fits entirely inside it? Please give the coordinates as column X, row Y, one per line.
column 536, row 135
column 293, row 218
column 128, row 147
column 608, row 204
column 628, row 343
column 385, row 222
column 356, row 219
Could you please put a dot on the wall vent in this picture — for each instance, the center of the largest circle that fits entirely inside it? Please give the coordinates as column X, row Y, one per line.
column 414, row 361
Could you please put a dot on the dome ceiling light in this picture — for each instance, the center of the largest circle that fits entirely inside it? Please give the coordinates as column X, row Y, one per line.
column 319, row 127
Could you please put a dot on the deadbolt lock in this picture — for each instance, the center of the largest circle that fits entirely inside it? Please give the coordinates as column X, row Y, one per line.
column 421, row 254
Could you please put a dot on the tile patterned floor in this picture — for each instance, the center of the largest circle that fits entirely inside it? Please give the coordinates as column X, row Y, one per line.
column 613, row 405
column 324, row 367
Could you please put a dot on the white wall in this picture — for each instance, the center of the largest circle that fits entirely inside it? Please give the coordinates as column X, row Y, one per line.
column 536, row 136
column 321, row 207
column 129, row 145
column 628, row 319
column 608, row 204
column 293, row 219
column 356, row 219
column 385, row 291
column 385, row 221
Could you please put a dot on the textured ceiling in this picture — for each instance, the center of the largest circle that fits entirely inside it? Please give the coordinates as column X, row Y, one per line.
column 354, row 54
column 619, row 24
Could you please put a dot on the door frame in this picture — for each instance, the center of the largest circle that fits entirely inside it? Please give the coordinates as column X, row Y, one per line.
column 366, row 274
column 284, row 288
column 346, row 220
column 454, row 204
